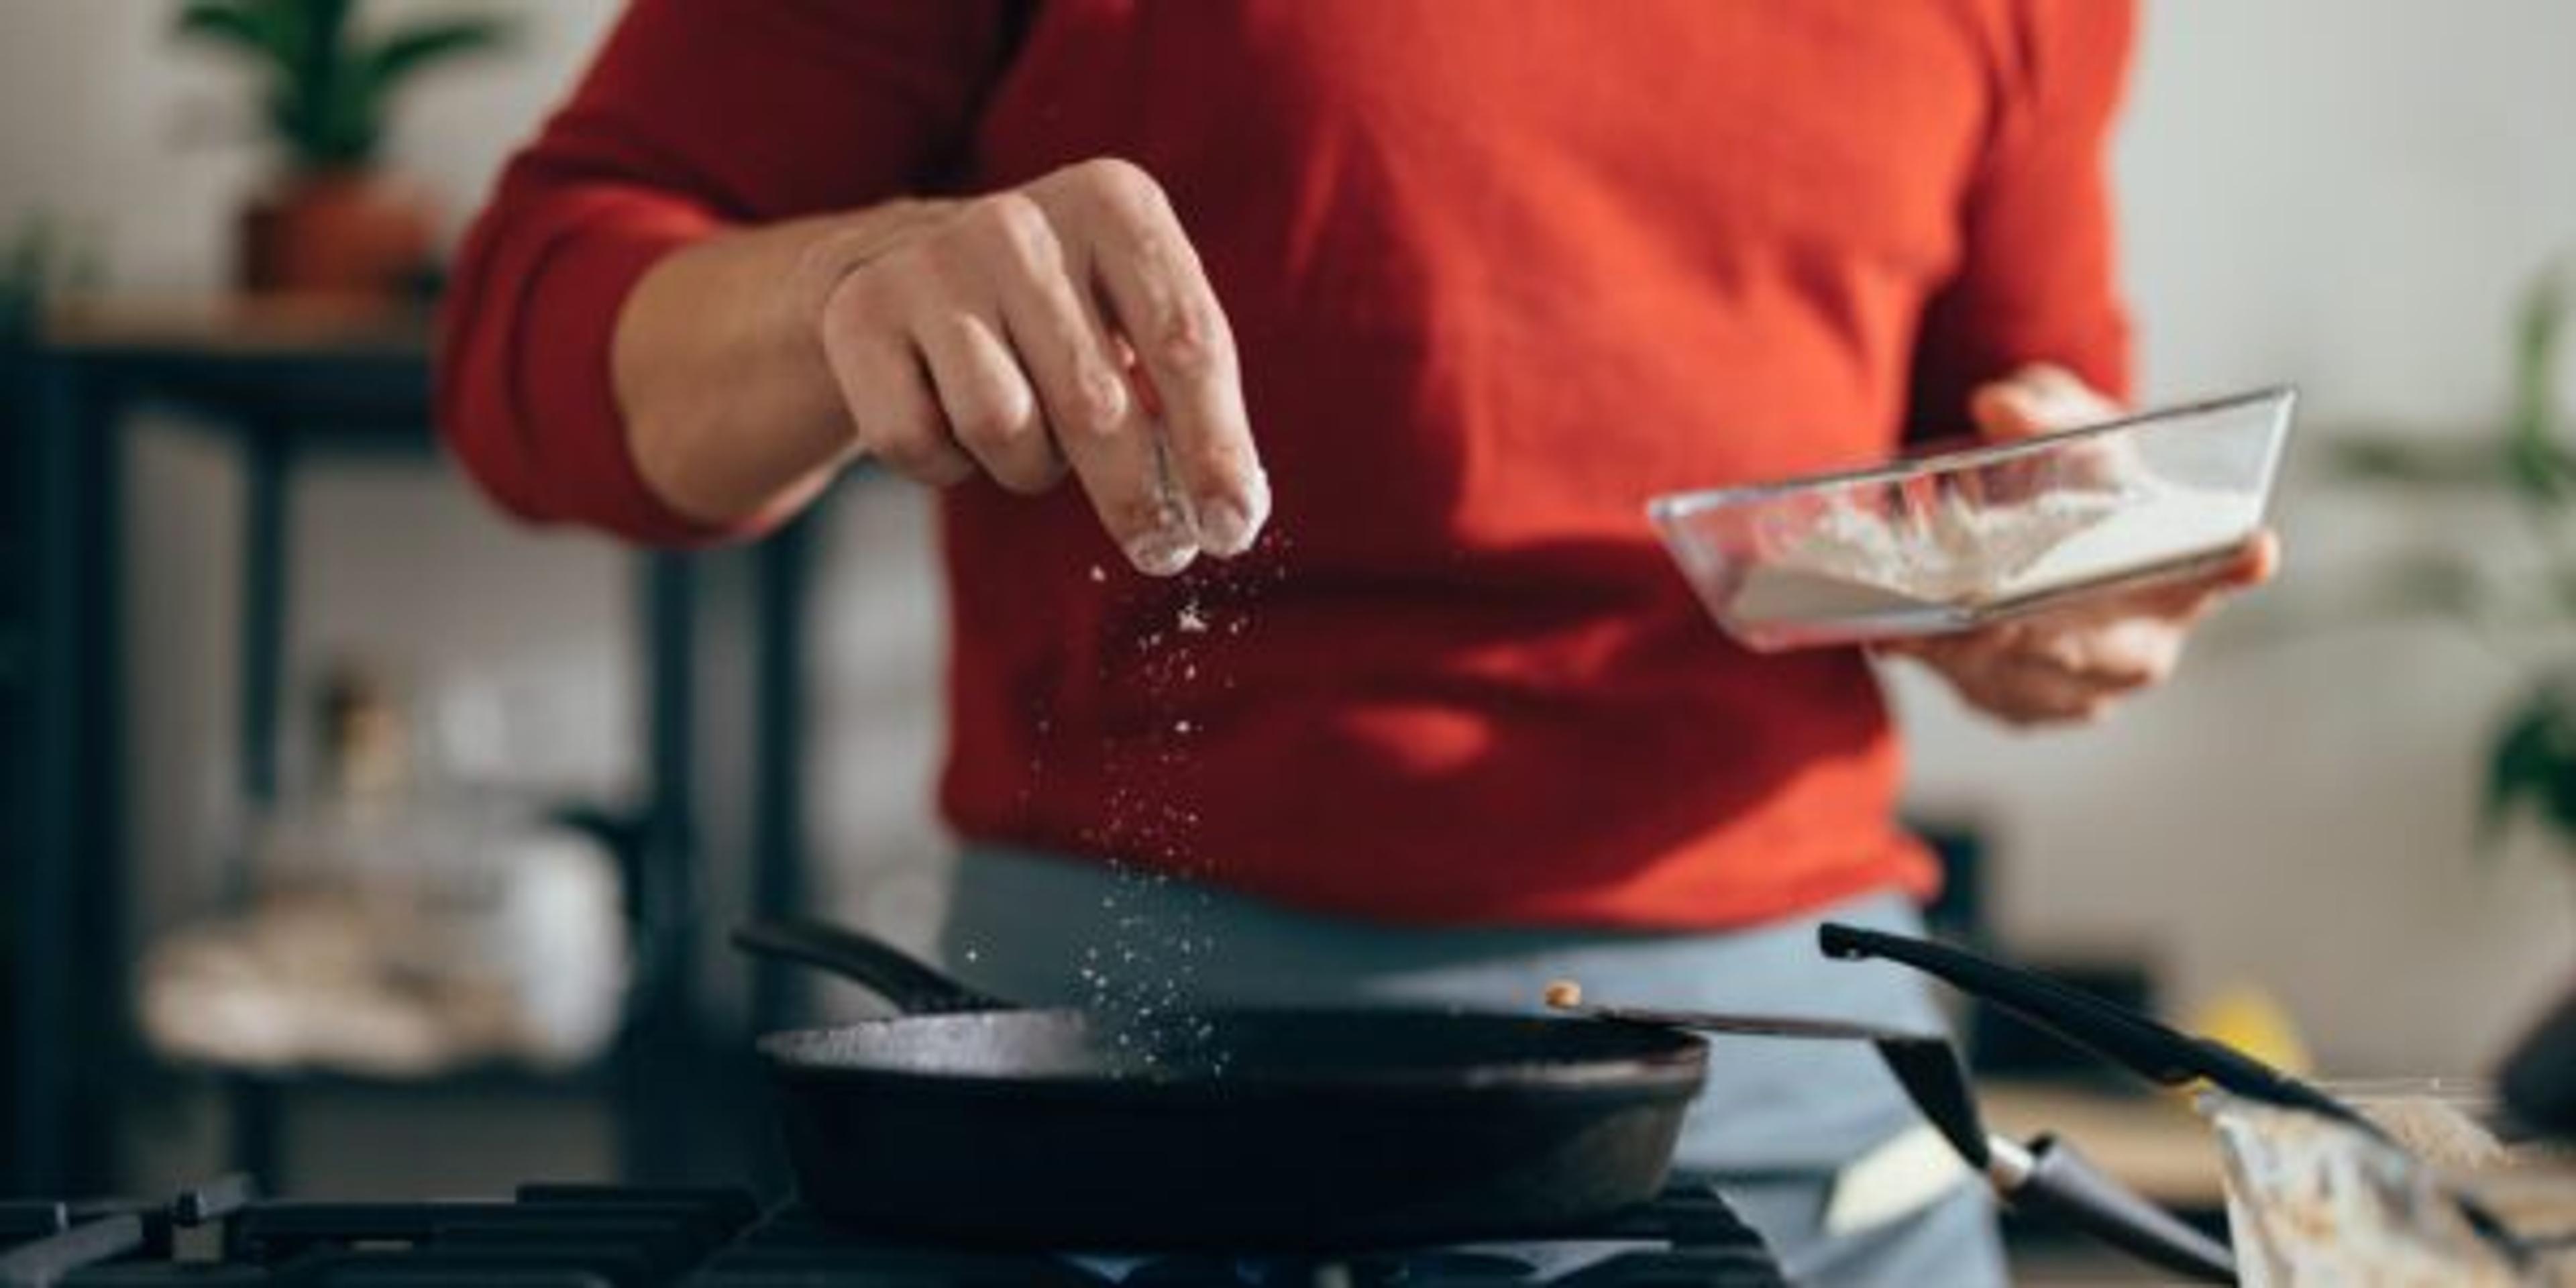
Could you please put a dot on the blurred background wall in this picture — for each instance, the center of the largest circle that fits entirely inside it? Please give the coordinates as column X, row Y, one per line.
column 2351, row 197
column 2345, row 196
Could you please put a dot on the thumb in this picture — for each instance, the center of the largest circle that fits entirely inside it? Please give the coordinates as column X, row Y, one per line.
column 2035, row 399
column 2005, row 410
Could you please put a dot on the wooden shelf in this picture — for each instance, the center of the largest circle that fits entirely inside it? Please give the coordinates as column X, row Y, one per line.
column 237, row 326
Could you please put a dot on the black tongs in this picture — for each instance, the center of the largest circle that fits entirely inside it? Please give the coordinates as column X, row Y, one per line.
column 2135, row 1042
column 2150, row 1049
column 2045, row 1175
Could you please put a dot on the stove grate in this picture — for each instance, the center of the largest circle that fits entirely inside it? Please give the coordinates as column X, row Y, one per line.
column 607, row 1236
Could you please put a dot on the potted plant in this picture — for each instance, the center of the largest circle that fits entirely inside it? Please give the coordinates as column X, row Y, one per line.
column 2521, row 602
column 331, row 222
column 36, row 261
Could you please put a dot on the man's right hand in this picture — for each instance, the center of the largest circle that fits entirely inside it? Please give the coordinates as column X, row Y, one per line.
column 1062, row 326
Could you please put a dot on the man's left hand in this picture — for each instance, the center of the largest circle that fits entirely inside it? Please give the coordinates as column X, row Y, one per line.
column 2073, row 664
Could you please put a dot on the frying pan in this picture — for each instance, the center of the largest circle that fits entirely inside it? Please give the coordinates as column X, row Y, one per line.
column 966, row 1118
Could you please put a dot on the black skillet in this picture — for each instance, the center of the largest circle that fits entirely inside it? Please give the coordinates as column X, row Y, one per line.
column 967, row 1118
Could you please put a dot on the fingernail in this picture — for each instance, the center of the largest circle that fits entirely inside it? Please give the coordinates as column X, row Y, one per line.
column 1229, row 526
column 1162, row 552
column 1224, row 527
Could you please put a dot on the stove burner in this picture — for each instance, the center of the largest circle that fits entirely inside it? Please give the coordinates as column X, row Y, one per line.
column 615, row 1236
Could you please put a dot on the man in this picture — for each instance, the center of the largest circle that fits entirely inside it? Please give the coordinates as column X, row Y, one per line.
column 1455, row 287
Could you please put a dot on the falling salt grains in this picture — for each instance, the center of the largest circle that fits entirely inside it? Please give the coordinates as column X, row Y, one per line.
column 1098, row 575
column 1183, row 727
column 1192, row 621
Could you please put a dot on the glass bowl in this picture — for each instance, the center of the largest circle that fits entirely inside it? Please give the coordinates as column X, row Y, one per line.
column 1946, row 540
column 2313, row 1201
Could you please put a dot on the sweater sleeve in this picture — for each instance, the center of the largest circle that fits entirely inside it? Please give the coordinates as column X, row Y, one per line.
column 2036, row 280
column 696, row 115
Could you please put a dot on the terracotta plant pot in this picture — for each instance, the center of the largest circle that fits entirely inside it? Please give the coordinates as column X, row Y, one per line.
column 343, row 234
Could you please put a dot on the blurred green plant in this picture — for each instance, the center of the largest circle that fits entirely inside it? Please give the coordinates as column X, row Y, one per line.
column 330, row 89
column 38, row 260
column 2522, row 603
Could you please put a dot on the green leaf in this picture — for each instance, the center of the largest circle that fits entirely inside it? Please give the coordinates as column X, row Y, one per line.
column 321, row 80
column 2540, row 465
column 328, row 19
column 228, row 24
column 2532, row 760
column 380, row 72
column 247, row 26
column 2421, row 462
column 333, row 132
column 425, row 46
column 2561, row 800
column 327, row 97
column 291, row 115
column 263, row 20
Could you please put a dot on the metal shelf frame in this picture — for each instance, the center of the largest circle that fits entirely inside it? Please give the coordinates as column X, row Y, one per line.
column 281, row 400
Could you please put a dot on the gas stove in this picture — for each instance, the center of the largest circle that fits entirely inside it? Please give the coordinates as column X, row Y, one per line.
column 617, row 1236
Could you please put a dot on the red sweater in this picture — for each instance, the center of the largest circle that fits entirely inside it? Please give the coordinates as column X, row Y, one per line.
column 1499, row 273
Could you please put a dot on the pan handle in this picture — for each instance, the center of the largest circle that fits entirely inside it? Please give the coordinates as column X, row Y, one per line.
column 2066, row 1185
column 913, row 987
